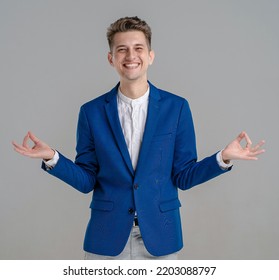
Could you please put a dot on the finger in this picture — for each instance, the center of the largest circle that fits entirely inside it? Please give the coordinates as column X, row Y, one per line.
column 248, row 140
column 240, row 136
column 251, row 158
column 25, row 152
column 33, row 137
column 18, row 147
column 256, row 153
column 25, row 141
column 252, row 155
column 259, row 145
column 260, row 152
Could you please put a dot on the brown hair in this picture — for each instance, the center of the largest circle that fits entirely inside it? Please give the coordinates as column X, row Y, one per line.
column 128, row 24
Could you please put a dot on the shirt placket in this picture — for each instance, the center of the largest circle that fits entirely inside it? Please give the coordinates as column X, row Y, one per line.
column 135, row 133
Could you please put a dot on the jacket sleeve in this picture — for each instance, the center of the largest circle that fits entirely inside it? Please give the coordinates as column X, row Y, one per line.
column 187, row 171
column 80, row 174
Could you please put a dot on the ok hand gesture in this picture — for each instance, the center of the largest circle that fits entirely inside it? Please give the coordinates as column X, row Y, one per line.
column 39, row 149
column 234, row 150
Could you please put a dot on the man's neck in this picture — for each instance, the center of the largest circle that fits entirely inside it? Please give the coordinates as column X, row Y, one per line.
column 134, row 90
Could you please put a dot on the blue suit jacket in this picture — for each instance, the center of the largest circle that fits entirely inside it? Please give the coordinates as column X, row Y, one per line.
column 167, row 161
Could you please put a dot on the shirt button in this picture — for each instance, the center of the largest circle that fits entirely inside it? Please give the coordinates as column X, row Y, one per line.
column 131, row 211
column 136, row 186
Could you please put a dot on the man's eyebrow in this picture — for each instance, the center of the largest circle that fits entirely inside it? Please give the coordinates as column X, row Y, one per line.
column 120, row 46
column 125, row 46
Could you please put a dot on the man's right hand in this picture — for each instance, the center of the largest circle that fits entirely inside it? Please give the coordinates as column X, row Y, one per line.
column 39, row 149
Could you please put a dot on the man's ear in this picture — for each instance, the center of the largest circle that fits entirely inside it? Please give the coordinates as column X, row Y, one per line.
column 110, row 60
column 151, row 57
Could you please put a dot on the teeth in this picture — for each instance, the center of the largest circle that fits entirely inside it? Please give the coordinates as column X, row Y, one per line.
column 131, row 65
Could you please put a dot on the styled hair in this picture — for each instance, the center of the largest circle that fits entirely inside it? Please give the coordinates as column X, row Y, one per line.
column 129, row 24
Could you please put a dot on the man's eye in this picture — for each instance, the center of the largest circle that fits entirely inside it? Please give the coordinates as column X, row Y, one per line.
column 121, row 50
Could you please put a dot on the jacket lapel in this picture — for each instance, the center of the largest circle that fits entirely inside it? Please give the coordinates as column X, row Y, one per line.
column 113, row 118
column 150, row 125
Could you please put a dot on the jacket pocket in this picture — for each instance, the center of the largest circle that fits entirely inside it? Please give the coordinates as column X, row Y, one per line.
column 170, row 205
column 101, row 205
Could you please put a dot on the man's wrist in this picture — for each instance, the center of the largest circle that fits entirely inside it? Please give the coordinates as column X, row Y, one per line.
column 224, row 164
column 223, row 157
column 52, row 162
column 50, row 157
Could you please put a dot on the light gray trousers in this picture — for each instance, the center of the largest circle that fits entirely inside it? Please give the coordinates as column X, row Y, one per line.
column 134, row 250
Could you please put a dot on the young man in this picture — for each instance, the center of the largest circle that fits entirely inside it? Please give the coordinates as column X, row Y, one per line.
column 135, row 149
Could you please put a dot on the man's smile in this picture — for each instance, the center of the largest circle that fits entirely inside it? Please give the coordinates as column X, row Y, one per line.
column 131, row 65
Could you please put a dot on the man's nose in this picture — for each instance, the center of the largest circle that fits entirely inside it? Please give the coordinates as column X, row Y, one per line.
column 131, row 54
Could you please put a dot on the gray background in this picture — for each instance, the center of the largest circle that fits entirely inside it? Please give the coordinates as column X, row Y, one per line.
column 220, row 55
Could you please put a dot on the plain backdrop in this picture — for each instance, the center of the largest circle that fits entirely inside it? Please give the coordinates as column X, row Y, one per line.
column 222, row 56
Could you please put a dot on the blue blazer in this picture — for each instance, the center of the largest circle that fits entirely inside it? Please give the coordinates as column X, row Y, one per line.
column 167, row 162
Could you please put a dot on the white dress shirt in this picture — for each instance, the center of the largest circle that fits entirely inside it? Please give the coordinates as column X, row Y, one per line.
column 132, row 115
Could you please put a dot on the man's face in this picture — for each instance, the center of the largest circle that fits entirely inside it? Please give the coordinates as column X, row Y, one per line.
column 130, row 55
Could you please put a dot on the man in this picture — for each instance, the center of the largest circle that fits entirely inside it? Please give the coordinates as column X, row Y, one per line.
column 135, row 149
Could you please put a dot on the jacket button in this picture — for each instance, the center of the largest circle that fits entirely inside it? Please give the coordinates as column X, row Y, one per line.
column 131, row 211
column 136, row 186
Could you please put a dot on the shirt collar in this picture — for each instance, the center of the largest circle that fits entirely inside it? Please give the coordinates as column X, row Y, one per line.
column 131, row 101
